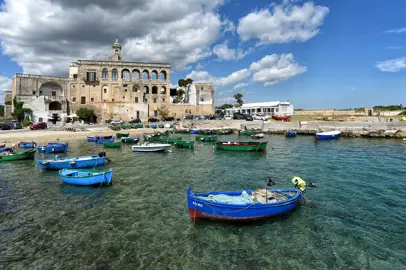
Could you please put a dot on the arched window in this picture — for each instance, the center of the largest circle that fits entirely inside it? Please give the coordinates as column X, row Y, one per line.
column 135, row 88
column 105, row 74
column 114, row 75
column 136, row 74
column 105, row 89
column 154, row 89
column 145, row 75
column 126, row 75
column 154, row 75
column 162, row 75
column 163, row 90
column 146, row 89
column 55, row 106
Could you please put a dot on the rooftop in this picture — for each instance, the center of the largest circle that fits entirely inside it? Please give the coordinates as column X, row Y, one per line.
column 264, row 104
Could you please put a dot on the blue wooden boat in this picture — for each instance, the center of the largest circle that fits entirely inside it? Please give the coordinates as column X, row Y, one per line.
column 194, row 131
column 92, row 138
column 329, row 135
column 27, row 144
column 291, row 133
column 72, row 162
column 245, row 205
column 54, row 147
column 102, row 140
column 6, row 150
column 154, row 126
column 83, row 177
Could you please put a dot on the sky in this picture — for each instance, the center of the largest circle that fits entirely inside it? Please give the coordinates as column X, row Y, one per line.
column 317, row 54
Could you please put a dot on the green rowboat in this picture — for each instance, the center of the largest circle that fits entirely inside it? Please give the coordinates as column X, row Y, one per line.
column 139, row 125
column 182, row 131
column 112, row 145
column 185, row 144
column 129, row 140
column 243, row 146
column 121, row 135
column 206, row 138
column 18, row 156
column 247, row 133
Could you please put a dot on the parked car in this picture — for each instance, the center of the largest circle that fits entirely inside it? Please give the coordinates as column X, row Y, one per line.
column 198, row 117
column 4, row 126
column 238, row 116
column 14, row 124
column 116, row 122
column 259, row 116
column 152, row 119
column 41, row 125
column 188, row 117
column 248, row 117
column 168, row 118
column 228, row 117
column 135, row 121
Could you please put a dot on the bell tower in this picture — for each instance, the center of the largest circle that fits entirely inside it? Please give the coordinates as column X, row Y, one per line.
column 116, row 52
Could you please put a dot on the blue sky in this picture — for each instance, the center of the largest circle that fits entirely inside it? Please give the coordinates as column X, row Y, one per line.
column 333, row 54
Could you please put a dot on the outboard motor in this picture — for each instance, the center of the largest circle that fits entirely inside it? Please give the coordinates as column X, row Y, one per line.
column 102, row 154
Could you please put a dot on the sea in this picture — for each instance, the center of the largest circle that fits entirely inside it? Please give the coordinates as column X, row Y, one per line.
column 355, row 218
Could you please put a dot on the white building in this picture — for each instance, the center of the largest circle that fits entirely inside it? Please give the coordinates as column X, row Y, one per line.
column 266, row 108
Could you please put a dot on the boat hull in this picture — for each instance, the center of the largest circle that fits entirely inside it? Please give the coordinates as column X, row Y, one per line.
column 284, row 118
column 84, row 179
column 103, row 140
column 243, row 146
column 129, row 140
column 92, row 139
column 290, row 133
column 327, row 135
column 113, row 145
column 71, row 162
column 185, row 144
column 200, row 209
column 53, row 148
column 27, row 144
column 19, row 156
column 122, row 135
column 151, row 148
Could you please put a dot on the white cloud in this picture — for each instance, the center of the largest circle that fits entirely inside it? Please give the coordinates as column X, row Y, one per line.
column 392, row 65
column 46, row 35
column 273, row 69
column 396, row 31
column 240, row 85
column 199, row 66
column 228, row 26
column 204, row 76
column 283, row 23
column 5, row 85
column 223, row 52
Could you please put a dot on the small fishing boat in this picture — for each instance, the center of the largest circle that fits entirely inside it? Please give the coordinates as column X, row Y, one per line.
column 185, row 144
column 10, row 156
column 328, row 135
column 243, row 146
column 122, row 135
column 290, row 133
column 194, row 131
column 151, row 147
column 161, row 125
column 139, row 125
column 102, row 140
column 245, row 205
column 281, row 117
column 170, row 140
column 92, row 138
column 72, row 162
column 53, row 147
column 247, row 132
column 257, row 136
column 6, row 150
column 27, row 145
column 182, row 131
column 113, row 145
column 206, row 138
column 154, row 126
column 130, row 140
column 83, row 177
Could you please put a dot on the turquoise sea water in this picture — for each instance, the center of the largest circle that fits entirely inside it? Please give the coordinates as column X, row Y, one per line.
column 358, row 218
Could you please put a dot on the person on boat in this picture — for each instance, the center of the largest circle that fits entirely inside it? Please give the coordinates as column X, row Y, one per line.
column 299, row 183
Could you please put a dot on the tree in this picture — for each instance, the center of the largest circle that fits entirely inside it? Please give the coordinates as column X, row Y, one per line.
column 179, row 95
column 19, row 112
column 163, row 111
column 1, row 110
column 86, row 114
column 185, row 83
column 238, row 98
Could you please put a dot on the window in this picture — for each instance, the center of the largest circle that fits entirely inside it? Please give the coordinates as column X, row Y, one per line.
column 73, row 99
column 201, row 88
column 136, row 99
column 105, row 74
column 185, row 111
column 83, row 85
column 40, row 92
column 73, row 86
column 105, row 90
column 125, row 90
column 201, row 99
column 112, row 100
column 145, row 100
column 190, row 111
column 154, row 100
column 92, row 99
column 154, row 89
column 91, row 76
column 155, row 113
column 154, row 75
column 33, row 92
column 123, row 97
column 163, row 99
column 126, row 75
column 75, row 76
column 114, row 75
column 135, row 89
column 83, row 100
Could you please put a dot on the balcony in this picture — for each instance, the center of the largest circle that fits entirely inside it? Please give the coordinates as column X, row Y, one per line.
column 91, row 82
column 55, row 98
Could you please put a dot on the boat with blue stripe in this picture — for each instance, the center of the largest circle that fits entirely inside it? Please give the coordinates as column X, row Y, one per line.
column 102, row 140
column 290, row 133
column 328, row 135
column 72, row 162
column 245, row 205
column 54, row 147
column 83, row 177
column 27, row 144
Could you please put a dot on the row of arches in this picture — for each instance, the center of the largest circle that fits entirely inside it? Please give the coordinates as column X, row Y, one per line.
column 136, row 74
column 135, row 89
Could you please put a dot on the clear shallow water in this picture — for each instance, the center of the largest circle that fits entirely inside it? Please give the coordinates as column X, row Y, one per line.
column 358, row 220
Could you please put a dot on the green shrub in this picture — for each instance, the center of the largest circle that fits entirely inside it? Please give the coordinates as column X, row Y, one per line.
column 26, row 122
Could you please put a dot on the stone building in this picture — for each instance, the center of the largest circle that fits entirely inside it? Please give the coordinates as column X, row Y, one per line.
column 46, row 96
column 8, row 101
column 114, row 89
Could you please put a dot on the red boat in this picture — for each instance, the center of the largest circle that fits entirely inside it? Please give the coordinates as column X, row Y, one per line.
column 281, row 117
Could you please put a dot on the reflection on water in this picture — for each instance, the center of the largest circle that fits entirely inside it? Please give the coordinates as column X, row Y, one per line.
column 141, row 221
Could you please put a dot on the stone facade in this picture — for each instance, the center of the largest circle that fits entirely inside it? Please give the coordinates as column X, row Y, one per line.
column 8, row 98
